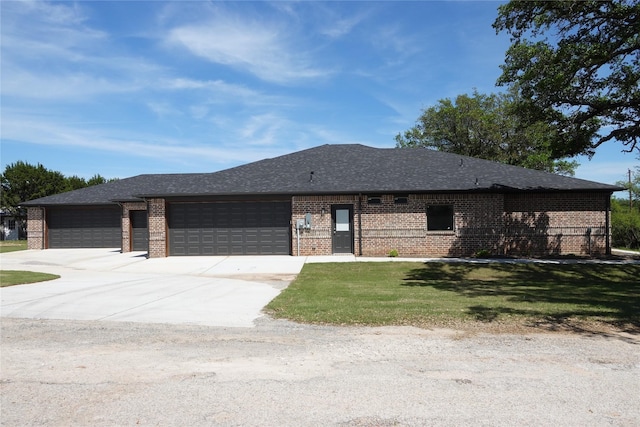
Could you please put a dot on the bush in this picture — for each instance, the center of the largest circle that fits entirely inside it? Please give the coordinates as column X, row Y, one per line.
column 625, row 225
column 482, row 253
column 393, row 253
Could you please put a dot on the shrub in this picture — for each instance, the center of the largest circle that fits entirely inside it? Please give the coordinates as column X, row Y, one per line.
column 482, row 253
column 625, row 225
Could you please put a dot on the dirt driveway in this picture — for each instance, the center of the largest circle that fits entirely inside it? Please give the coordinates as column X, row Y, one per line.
column 62, row 372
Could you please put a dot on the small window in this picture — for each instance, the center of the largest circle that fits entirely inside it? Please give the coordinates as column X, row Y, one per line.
column 12, row 224
column 401, row 199
column 374, row 200
column 440, row 217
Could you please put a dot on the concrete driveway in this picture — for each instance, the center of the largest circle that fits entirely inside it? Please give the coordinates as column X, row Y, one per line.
column 104, row 284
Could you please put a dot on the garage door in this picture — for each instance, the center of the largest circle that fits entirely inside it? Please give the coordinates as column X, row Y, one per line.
column 84, row 227
column 139, row 230
column 231, row 228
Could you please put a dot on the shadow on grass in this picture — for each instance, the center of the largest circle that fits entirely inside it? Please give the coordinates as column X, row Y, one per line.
column 549, row 295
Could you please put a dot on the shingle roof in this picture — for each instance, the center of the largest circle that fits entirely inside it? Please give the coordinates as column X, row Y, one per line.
column 333, row 169
column 122, row 190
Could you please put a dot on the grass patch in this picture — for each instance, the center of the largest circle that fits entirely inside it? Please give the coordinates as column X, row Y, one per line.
column 443, row 294
column 17, row 277
column 12, row 245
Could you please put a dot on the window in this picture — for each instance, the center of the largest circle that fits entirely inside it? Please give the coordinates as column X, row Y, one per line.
column 12, row 224
column 374, row 200
column 401, row 199
column 439, row 217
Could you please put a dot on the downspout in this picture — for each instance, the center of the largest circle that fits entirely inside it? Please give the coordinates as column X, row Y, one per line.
column 360, row 224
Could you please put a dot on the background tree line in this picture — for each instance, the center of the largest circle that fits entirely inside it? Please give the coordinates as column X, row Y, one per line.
column 625, row 213
column 21, row 182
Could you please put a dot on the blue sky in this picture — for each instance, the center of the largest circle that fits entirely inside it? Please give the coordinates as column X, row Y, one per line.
column 123, row 88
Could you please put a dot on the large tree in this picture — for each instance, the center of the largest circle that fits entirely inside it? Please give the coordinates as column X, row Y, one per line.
column 485, row 126
column 22, row 181
column 577, row 65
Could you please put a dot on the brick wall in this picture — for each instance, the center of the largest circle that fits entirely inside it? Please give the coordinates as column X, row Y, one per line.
column 36, row 226
column 525, row 224
column 533, row 224
column 317, row 240
column 157, row 228
column 556, row 223
column 126, row 222
column 477, row 221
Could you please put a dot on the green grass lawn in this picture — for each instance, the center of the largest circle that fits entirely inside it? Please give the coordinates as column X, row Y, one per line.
column 443, row 294
column 16, row 277
column 12, row 245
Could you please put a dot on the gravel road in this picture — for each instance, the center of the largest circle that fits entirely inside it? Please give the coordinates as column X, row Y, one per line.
column 286, row 374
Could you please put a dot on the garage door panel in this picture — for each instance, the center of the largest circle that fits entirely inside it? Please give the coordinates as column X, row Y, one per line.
column 84, row 228
column 223, row 237
column 139, row 230
column 233, row 228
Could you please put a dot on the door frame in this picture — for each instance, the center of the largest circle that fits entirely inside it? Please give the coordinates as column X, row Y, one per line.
column 334, row 208
column 131, row 233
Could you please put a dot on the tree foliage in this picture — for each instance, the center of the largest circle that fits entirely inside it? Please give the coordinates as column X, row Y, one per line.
column 577, row 66
column 633, row 186
column 22, row 181
column 625, row 225
column 625, row 213
column 486, row 127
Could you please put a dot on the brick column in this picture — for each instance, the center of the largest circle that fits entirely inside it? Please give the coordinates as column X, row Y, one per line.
column 157, row 228
column 36, row 226
column 126, row 222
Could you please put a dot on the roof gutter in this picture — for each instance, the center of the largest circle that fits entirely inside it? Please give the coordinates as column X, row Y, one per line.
column 484, row 189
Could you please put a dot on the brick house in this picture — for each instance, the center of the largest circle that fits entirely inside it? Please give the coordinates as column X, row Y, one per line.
column 335, row 199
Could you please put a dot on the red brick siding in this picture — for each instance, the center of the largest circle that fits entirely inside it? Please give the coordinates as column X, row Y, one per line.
column 157, row 228
column 502, row 224
column 36, row 226
column 556, row 223
column 317, row 240
column 512, row 224
column 126, row 222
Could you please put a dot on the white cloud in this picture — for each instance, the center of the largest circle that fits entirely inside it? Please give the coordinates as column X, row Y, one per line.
column 264, row 50
column 217, row 86
column 391, row 38
column 264, row 129
column 342, row 26
column 31, row 29
column 48, row 131
column 163, row 109
column 23, row 83
column 48, row 12
column 48, row 53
